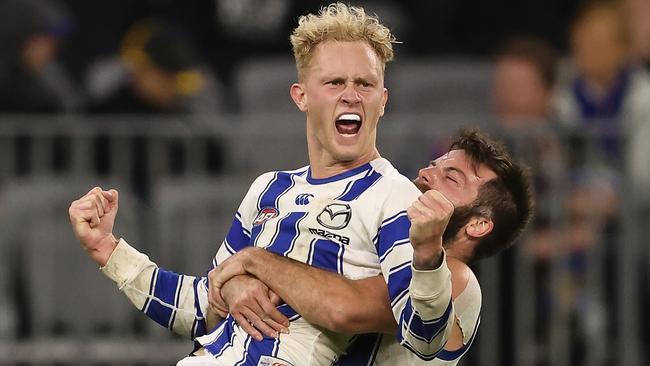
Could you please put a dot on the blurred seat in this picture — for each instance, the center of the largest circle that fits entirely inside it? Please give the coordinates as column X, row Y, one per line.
column 191, row 218
column 65, row 293
column 264, row 83
column 438, row 86
column 264, row 142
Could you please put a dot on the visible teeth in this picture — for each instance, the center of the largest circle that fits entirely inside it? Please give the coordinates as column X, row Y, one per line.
column 350, row 117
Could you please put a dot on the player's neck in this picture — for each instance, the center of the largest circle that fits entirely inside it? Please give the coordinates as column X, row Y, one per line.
column 323, row 167
column 460, row 250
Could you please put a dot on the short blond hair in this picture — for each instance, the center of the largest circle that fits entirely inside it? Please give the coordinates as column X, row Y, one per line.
column 340, row 22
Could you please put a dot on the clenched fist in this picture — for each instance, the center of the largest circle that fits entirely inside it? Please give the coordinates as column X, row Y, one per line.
column 429, row 216
column 92, row 218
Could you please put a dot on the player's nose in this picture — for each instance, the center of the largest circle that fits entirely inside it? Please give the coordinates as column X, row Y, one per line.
column 350, row 95
column 427, row 176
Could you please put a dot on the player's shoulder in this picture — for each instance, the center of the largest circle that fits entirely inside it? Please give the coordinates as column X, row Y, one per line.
column 393, row 180
column 467, row 298
column 463, row 279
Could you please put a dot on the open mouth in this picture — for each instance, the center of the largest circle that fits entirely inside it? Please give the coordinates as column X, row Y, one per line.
column 348, row 124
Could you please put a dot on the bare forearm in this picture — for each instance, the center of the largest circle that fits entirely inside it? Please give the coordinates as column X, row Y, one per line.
column 428, row 257
column 325, row 298
column 103, row 252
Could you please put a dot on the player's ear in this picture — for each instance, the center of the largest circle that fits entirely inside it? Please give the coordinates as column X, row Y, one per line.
column 384, row 100
column 298, row 95
column 478, row 227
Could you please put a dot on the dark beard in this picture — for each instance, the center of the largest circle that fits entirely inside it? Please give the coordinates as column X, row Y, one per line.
column 458, row 220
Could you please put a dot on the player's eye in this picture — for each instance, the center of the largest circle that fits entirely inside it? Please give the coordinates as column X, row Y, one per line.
column 449, row 177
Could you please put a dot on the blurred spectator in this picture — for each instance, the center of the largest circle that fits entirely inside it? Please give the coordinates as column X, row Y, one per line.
column 592, row 226
column 158, row 71
column 638, row 13
column 30, row 79
column 638, row 147
column 605, row 106
column 608, row 93
column 524, row 77
column 525, row 74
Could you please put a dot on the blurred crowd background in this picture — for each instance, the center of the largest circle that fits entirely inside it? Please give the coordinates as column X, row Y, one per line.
column 180, row 104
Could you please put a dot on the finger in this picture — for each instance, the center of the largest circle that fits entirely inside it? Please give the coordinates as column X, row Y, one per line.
column 219, row 299
column 434, row 197
column 81, row 205
column 276, row 328
column 89, row 202
column 433, row 200
column 247, row 327
column 88, row 214
column 218, row 304
column 258, row 323
column 213, row 300
column 449, row 205
column 227, row 270
column 99, row 205
column 95, row 190
column 110, row 195
column 212, row 277
column 81, row 216
column 113, row 197
column 104, row 201
column 220, row 311
column 428, row 198
column 275, row 299
column 420, row 209
column 94, row 220
column 413, row 213
column 273, row 317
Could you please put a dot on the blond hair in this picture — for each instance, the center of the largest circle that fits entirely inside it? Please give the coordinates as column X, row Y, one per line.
column 340, row 22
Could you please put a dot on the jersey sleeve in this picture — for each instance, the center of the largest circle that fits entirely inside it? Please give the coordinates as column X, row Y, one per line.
column 420, row 300
column 173, row 300
column 467, row 308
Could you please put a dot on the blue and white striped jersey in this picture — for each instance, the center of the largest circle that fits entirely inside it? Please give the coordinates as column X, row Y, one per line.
column 382, row 350
column 354, row 223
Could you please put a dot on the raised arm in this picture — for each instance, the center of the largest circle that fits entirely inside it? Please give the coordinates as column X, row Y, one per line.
column 419, row 286
column 175, row 301
column 92, row 218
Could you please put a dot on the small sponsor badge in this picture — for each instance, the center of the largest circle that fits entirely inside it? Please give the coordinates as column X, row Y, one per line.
column 272, row 361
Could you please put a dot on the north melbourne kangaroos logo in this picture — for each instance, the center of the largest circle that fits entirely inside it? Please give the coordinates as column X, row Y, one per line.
column 265, row 214
column 335, row 216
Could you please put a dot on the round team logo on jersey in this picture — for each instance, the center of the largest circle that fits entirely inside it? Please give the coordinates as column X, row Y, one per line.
column 266, row 214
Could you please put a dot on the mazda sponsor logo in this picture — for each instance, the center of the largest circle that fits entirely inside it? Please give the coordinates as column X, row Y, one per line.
column 335, row 216
column 330, row 235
